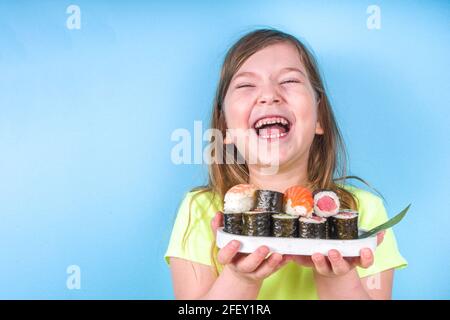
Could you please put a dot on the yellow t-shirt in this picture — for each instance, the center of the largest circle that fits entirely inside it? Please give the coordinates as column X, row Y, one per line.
column 291, row 281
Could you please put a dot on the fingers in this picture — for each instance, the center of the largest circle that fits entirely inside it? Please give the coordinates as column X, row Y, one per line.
column 270, row 265
column 253, row 260
column 339, row 265
column 216, row 222
column 284, row 260
column 321, row 264
column 380, row 237
column 336, row 265
column 366, row 258
column 256, row 265
column 227, row 253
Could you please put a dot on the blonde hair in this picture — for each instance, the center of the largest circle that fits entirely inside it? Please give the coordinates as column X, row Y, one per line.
column 327, row 156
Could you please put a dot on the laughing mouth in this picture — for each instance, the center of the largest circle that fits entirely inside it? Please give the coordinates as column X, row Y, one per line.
column 272, row 127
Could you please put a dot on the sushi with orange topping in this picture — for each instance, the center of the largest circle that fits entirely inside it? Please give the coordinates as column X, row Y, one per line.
column 237, row 200
column 298, row 201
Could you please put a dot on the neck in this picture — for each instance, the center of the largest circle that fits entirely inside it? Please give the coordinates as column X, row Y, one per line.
column 282, row 179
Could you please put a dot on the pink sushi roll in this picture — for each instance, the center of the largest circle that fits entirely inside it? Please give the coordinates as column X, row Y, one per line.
column 326, row 203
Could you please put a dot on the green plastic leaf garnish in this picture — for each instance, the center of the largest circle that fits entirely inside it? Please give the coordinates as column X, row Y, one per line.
column 388, row 224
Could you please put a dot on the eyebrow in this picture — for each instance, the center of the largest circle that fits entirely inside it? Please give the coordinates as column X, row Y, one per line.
column 287, row 69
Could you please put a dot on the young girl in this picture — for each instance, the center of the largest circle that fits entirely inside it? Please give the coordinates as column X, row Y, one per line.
column 269, row 75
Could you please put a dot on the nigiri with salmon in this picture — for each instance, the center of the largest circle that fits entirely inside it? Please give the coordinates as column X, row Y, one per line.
column 299, row 201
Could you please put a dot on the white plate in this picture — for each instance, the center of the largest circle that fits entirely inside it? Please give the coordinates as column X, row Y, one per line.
column 297, row 246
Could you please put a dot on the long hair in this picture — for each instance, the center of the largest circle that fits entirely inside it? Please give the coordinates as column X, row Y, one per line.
column 327, row 161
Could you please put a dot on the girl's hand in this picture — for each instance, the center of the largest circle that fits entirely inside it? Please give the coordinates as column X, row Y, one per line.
column 335, row 265
column 253, row 267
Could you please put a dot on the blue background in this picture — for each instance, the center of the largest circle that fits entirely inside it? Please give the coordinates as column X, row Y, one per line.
column 86, row 118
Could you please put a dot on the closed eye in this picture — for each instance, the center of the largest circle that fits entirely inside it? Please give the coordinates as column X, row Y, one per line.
column 290, row 81
column 245, row 85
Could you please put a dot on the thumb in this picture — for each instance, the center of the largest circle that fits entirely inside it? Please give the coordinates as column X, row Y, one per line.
column 216, row 222
column 380, row 237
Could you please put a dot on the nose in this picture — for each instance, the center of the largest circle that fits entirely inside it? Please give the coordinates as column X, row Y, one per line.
column 269, row 95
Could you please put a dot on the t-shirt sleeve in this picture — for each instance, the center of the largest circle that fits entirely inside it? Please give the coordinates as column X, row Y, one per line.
column 373, row 213
column 192, row 237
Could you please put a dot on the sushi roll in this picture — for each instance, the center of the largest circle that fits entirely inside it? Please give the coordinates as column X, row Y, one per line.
column 268, row 200
column 326, row 203
column 232, row 223
column 344, row 225
column 312, row 228
column 239, row 198
column 256, row 223
column 298, row 201
column 284, row 225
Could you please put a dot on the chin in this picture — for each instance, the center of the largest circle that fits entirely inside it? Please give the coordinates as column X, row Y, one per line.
column 271, row 159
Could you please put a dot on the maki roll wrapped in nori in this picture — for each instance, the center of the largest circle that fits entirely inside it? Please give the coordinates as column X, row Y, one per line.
column 344, row 225
column 312, row 228
column 326, row 203
column 232, row 222
column 284, row 225
column 268, row 200
column 256, row 223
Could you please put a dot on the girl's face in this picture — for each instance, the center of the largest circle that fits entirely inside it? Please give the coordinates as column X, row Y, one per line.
column 271, row 99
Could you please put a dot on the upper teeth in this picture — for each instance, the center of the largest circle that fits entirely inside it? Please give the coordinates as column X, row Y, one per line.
column 266, row 121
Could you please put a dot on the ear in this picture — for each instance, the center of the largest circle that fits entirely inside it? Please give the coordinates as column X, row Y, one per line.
column 319, row 129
